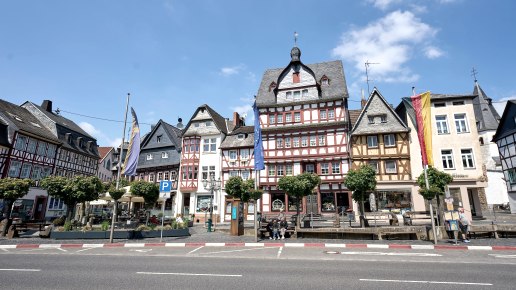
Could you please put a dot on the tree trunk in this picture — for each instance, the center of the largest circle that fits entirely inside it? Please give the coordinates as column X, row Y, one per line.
column 298, row 219
column 362, row 211
column 438, row 208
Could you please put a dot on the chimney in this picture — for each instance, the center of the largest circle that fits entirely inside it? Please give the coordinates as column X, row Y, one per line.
column 47, row 105
column 236, row 119
column 363, row 100
column 180, row 123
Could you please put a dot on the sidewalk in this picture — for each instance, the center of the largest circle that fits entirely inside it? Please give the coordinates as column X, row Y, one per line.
column 220, row 237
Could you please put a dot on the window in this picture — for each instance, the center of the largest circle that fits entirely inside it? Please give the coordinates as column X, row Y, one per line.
column 272, row 170
column 21, row 142
column 288, row 169
column 467, row 158
column 460, row 123
column 322, row 114
column 370, row 119
column 288, row 95
column 297, row 117
column 160, row 176
column 447, row 158
column 280, row 170
column 442, row 125
column 310, row 168
column 372, row 141
column 512, row 175
column 166, row 175
column 196, row 125
column 272, row 119
column 390, row 166
column 158, row 138
column 164, row 154
column 335, row 167
column 297, row 95
column 313, row 140
column 232, row 154
column 194, row 145
column 208, row 172
column 173, row 175
column 280, row 118
column 304, row 93
column 210, row 144
column 55, row 203
column 203, row 203
column 287, row 142
column 151, row 177
column 288, row 117
column 374, row 165
column 383, row 118
column 439, row 105
column 458, row 103
column 233, row 173
column 208, row 123
column 244, row 154
column 295, row 142
column 149, row 156
column 51, row 152
column 36, row 173
column 304, row 141
column 322, row 140
column 42, row 147
column 279, row 143
column 389, row 140
column 325, row 168
column 31, row 148
column 331, row 114
column 25, row 170
column 245, row 175
column 325, row 81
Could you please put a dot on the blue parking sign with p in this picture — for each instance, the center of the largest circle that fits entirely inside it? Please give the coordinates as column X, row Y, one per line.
column 165, row 186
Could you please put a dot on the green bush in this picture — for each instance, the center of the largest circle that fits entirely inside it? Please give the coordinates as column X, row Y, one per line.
column 67, row 226
column 143, row 228
column 59, row 221
column 105, row 225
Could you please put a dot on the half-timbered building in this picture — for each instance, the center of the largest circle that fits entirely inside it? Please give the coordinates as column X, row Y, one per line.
column 303, row 116
column 505, row 138
column 201, row 160
column 381, row 139
column 160, row 156
column 29, row 151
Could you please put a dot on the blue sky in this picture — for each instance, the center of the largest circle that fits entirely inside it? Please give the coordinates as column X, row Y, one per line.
column 173, row 56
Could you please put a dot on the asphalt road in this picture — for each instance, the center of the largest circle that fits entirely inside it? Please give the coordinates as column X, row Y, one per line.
column 274, row 267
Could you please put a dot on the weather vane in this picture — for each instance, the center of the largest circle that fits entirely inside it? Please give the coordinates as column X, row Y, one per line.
column 295, row 38
column 474, row 73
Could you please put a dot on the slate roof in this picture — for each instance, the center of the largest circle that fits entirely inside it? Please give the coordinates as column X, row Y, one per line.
column 232, row 141
column 353, row 116
column 485, row 113
column 26, row 121
column 334, row 70
column 220, row 122
column 437, row 97
column 507, row 125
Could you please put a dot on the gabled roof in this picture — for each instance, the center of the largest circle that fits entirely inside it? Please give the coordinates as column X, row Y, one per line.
column 353, row 116
column 333, row 70
column 220, row 122
column 104, row 151
column 173, row 133
column 485, row 114
column 232, row 140
column 507, row 124
column 23, row 120
column 385, row 108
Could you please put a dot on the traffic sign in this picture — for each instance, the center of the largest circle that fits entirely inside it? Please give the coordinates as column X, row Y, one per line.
column 165, row 186
column 164, row 195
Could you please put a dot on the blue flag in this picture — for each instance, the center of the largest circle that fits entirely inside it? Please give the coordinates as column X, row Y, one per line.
column 258, row 146
column 133, row 152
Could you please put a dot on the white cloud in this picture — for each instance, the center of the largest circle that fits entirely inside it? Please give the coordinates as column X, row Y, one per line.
column 232, row 70
column 90, row 129
column 391, row 42
column 433, row 52
column 116, row 142
column 501, row 103
column 383, row 4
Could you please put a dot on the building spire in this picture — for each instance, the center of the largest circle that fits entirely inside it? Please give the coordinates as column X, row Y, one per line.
column 474, row 73
column 295, row 39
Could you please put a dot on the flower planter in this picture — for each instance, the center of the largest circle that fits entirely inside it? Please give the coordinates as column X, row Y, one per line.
column 130, row 234
column 157, row 233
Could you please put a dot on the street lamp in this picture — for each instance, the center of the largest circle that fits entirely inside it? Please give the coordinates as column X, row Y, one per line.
column 211, row 185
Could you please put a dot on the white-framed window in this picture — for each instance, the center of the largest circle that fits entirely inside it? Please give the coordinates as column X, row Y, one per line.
column 389, row 140
column 322, row 140
column 272, row 119
column 297, row 116
column 310, row 168
column 287, row 142
column 374, row 165
column 370, row 119
column 245, row 175
column 323, row 115
column 210, row 144
column 151, row 177
column 442, row 124
column 279, row 118
column 288, row 117
column 331, row 114
column 304, row 141
column 372, row 141
column 467, row 158
column 232, row 154
column 279, row 143
column 164, row 154
column 208, row 123
column 55, row 203
column 208, row 172
column 244, row 154
column 390, row 166
column 383, row 118
column 447, row 158
column 272, row 170
column 288, row 169
column 461, row 123
column 295, row 142
column 233, row 173
column 304, row 93
column 149, row 156
column 313, row 140
column 160, row 176
column 335, row 167
column 297, row 95
column 280, row 170
column 288, row 95
column 166, row 175
column 325, row 169
column 173, row 175
column 439, row 105
column 141, row 176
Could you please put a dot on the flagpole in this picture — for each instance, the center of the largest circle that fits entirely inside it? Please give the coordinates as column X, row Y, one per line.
column 256, row 207
column 119, row 171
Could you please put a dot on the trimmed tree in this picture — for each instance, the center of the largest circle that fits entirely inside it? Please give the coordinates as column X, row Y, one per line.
column 437, row 182
column 116, row 194
column 299, row 186
column 361, row 181
column 59, row 187
column 84, row 189
column 244, row 190
column 148, row 190
column 10, row 190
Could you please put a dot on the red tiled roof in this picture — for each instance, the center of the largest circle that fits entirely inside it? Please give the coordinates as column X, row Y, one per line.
column 103, row 151
column 353, row 116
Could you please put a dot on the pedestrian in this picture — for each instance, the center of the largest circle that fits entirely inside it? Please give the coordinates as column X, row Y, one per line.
column 283, row 227
column 275, row 229
column 269, row 227
column 464, row 224
column 281, row 215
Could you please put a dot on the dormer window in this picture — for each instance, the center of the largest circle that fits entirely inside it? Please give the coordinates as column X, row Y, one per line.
column 370, row 119
column 325, row 81
column 272, row 86
column 383, row 118
column 158, row 138
column 149, row 156
column 240, row 136
column 164, row 154
column 209, row 123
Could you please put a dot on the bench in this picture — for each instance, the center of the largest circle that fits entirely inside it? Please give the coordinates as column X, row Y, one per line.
column 290, row 231
column 379, row 219
column 479, row 230
column 415, row 218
